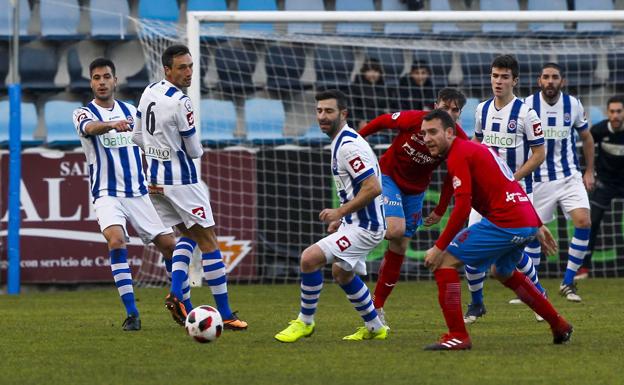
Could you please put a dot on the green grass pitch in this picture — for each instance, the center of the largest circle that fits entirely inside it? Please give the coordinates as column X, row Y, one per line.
column 76, row 338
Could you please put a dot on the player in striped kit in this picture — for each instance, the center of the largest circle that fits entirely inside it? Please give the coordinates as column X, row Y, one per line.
column 117, row 182
column 355, row 228
column 558, row 181
column 483, row 180
column 514, row 131
column 166, row 133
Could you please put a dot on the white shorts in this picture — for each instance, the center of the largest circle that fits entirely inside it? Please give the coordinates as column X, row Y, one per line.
column 568, row 192
column 184, row 203
column 349, row 246
column 138, row 210
column 476, row 217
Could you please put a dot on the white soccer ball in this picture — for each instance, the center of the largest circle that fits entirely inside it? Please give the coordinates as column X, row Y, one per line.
column 204, row 324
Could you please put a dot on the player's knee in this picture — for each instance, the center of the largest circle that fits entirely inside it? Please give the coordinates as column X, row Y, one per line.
column 116, row 243
column 584, row 223
column 395, row 232
column 341, row 276
column 307, row 264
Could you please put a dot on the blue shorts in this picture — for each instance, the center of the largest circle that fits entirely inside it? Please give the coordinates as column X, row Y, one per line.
column 397, row 204
column 484, row 244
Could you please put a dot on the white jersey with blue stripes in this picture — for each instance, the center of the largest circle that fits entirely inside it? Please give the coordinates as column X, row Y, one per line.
column 510, row 131
column 353, row 161
column 115, row 163
column 558, row 123
column 166, row 115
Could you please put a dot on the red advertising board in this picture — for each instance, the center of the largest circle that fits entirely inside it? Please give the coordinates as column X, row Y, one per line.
column 60, row 240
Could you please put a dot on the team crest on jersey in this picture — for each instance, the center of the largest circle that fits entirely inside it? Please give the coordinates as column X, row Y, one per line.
column 81, row 117
column 199, row 211
column 537, row 129
column 356, row 164
column 343, row 243
column 190, row 118
column 566, row 118
column 130, row 119
column 456, row 182
column 396, row 115
column 511, row 126
column 187, row 105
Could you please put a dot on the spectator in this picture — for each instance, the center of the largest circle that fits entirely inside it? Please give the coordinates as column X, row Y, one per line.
column 416, row 88
column 369, row 95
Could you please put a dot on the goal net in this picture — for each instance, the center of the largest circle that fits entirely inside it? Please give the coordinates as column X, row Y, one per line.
column 267, row 163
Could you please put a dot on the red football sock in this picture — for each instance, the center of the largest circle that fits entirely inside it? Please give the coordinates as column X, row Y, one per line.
column 528, row 293
column 389, row 273
column 449, row 296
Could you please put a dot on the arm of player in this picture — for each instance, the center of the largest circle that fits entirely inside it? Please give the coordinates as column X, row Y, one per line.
column 458, row 217
column 401, row 120
column 99, row 128
column 588, row 153
column 538, row 154
column 445, row 198
column 186, row 127
column 137, row 134
column 547, row 241
column 533, row 134
column 370, row 188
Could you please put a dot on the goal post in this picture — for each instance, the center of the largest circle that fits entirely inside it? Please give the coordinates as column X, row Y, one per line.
column 257, row 72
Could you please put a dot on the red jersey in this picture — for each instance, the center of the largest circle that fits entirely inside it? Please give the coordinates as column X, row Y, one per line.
column 483, row 180
column 407, row 161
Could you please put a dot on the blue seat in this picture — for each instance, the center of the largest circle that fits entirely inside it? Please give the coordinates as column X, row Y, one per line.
column 59, row 126
column 235, row 67
column 440, row 63
column 38, row 68
column 476, row 70
column 77, row 82
column 398, row 28
column 107, row 25
column 550, row 5
column 354, row 5
column 208, row 29
column 163, row 10
column 264, row 121
column 596, row 114
column 391, row 60
column 138, row 81
column 443, row 5
column 218, row 122
column 60, row 20
column 594, row 5
column 304, row 5
column 284, row 67
column 497, row 5
column 467, row 117
column 578, row 68
column 29, row 124
column 6, row 19
column 257, row 5
column 333, row 66
column 313, row 137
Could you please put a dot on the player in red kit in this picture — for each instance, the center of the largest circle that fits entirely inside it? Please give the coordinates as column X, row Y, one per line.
column 484, row 181
column 407, row 167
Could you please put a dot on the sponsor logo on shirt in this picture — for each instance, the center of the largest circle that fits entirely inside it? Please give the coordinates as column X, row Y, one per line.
column 419, row 138
column 557, row 133
column 190, row 118
column 537, row 128
column 199, row 211
column 356, row 164
column 456, row 182
column 157, row 153
column 515, row 197
column 343, row 243
column 499, row 139
column 116, row 139
column 417, row 156
column 396, row 115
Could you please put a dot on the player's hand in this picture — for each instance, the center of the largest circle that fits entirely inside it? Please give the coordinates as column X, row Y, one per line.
column 433, row 258
column 432, row 219
column 121, row 125
column 333, row 226
column 547, row 241
column 589, row 181
column 330, row 215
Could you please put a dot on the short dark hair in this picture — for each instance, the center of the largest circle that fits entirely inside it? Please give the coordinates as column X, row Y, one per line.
column 371, row 64
column 448, row 94
column 420, row 64
column 616, row 99
column 445, row 118
column 172, row 52
column 553, row 66
column 507, row 62
column 341, row 98
column 101, row 62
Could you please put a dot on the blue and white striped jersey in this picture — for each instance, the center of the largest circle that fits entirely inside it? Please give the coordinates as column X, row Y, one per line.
column 558, row 123
column 166, row 115
column 353, row 161
column 510, row 131
column 115, row 163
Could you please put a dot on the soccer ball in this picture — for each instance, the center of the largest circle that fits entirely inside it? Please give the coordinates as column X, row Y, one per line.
column 204, row 324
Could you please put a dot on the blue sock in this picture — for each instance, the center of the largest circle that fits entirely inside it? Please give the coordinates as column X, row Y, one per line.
column 576, row 254
column 214, row 273
column 123, row 279
column 359, row 295
column 181, row 259
column 534, row 251
column 186, row 295
column 475, row 284
column 525, row 266
column 168, row 267
column 311, row 286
